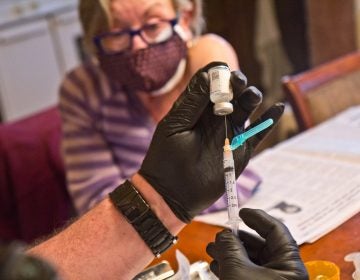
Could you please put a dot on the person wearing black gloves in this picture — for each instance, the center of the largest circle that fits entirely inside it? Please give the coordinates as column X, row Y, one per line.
column 181, row 175
column 185, row 159
column 272, row 255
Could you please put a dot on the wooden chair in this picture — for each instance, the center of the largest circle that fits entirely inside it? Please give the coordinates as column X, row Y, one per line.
column 320, row 93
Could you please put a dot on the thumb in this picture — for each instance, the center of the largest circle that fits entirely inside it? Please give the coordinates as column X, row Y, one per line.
column 228, row 248
column 230, row 257
column 191, row 104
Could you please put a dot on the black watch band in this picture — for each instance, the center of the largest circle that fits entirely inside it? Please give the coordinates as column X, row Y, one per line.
column 132, row 205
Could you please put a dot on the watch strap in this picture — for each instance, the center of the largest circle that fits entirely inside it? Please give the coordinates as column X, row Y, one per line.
column 127, row 199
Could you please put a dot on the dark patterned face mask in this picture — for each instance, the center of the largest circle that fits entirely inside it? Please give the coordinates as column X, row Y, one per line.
column 146, row 69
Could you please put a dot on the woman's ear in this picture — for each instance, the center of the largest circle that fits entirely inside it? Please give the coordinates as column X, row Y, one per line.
column 185, row 22
column 186, row 17
column 187, row 13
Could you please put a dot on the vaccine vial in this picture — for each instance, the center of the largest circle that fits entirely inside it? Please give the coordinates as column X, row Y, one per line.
column 220, row 90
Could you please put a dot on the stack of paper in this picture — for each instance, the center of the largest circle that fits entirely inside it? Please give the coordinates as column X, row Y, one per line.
column 310, row 182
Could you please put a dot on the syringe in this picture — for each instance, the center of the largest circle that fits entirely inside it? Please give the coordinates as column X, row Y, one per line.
column 230, row 186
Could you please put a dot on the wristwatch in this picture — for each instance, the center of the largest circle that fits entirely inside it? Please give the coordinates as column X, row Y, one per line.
column 132, row 205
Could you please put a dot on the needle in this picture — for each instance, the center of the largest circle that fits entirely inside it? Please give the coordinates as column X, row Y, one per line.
column 226, row 136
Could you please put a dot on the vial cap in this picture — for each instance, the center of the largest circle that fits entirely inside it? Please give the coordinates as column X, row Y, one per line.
column 223, row 108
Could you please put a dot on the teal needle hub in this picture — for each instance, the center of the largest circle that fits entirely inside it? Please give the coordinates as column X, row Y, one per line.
column 237, row 141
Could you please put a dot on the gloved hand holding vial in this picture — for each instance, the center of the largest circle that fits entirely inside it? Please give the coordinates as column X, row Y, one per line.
column 221, row 95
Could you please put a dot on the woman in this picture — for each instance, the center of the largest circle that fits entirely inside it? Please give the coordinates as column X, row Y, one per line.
column 143, row 54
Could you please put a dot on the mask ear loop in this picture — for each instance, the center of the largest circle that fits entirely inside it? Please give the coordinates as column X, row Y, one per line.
column 190, row 42
column 180, row 31
column 173, row 81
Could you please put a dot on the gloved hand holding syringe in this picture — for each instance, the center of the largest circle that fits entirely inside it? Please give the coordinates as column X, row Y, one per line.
column 221, row 95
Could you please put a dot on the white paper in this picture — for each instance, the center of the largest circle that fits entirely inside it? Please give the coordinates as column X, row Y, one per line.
column 311, row 187
column 184, row 267
column 337, row 138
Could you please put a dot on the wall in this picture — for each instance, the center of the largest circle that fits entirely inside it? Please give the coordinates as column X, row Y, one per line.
column 331, row 29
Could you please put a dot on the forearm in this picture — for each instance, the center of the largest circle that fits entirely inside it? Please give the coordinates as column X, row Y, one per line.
column 102, row 244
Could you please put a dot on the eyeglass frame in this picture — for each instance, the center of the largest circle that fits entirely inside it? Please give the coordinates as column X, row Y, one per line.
column 132, row 32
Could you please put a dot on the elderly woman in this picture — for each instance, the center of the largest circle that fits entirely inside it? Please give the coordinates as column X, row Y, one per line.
column 143, row 53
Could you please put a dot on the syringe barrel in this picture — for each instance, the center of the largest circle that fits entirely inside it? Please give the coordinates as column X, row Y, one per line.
column 230, row 185
column 234, row 225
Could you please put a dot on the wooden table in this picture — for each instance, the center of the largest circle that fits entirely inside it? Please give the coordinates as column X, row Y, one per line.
column 332, row 247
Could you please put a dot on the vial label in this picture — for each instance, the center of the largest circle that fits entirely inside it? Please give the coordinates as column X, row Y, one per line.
column 220, row 84
column 215, row 75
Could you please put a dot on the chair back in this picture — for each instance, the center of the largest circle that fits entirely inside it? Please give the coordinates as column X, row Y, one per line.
column 322, row 92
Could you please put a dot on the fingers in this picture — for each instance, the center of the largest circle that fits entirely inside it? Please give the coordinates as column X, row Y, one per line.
column 280, row 249
column 272, row 230
column 250, row 99
column 245, row 104
column 238, row 83
column 274, row 112
column 189, row 106
column 225, row 243
column 253, row 244
column 214, row 267
column 226, row 247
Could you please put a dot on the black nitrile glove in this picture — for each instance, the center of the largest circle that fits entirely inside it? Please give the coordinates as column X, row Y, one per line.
column 274, row 255
column 185, row 160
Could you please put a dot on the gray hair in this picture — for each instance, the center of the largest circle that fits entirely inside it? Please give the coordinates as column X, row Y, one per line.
column 198, row 22
column 95, row 18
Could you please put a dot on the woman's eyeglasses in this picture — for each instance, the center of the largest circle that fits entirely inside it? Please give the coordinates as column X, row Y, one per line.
column 115, row 42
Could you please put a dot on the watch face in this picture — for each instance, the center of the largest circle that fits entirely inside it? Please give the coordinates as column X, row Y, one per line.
column 132, row 204
column 129, row 201
column 137, row 209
